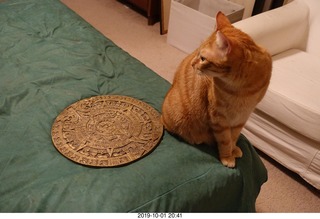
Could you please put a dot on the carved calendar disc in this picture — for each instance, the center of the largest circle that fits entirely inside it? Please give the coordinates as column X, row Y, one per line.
column 107, row 131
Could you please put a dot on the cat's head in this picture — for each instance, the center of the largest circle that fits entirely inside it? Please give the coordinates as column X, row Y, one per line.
column 223, row 51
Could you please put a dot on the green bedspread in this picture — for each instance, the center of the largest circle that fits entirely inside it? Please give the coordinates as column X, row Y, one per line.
column 51, row 58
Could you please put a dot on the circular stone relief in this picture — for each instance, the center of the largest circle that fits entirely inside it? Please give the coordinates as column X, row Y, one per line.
column 106, row 131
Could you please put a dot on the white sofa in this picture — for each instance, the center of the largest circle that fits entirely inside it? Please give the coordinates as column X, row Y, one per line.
column 286, row 124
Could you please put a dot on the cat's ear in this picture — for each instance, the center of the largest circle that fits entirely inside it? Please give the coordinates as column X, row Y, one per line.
column 223, row 43
column 221, row 21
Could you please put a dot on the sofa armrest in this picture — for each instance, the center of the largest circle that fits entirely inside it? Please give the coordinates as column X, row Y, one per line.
column 280, row 29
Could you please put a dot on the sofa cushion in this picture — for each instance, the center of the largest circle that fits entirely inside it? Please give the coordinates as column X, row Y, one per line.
column 293, row 97
column 313, row 45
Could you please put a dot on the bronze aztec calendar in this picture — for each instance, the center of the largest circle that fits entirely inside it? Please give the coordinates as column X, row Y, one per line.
column 107, row 131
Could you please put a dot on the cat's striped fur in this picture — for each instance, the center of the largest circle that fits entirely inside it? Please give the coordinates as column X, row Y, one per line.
column 216, row 88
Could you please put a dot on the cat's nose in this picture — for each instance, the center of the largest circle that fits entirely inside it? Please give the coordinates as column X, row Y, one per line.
column 193, row 62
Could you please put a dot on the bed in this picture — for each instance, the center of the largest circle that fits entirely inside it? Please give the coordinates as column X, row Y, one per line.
column 51, row 58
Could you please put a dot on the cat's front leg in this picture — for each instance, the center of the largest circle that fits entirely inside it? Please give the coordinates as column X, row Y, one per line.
column 226, row 147
column 235, row 133
column 228, row 150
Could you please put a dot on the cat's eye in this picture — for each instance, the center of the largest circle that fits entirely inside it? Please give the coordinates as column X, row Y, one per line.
column 202, row 58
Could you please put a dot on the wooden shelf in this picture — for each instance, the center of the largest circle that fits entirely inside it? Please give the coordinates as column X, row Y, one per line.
column 150, row 8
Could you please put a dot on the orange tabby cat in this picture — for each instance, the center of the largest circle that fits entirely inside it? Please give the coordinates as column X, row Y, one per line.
column 216, row 88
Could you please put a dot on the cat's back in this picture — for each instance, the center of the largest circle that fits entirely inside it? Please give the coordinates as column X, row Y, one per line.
column 187, row 99
column 188, row 86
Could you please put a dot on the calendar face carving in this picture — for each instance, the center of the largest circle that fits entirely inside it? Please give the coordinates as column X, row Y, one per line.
column 107, row 131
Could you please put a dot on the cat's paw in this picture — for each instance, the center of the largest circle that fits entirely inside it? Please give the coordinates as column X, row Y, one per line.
column 228, row 161
column 237, row 152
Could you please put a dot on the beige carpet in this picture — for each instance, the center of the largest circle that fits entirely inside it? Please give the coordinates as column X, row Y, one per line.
column 284, row 191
